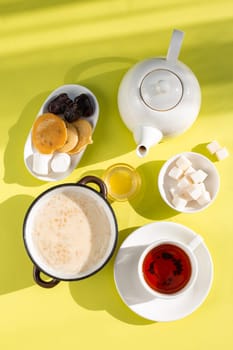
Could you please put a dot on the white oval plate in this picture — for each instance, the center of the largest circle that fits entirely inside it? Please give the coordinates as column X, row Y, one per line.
column 136, row 297
column 72, row 91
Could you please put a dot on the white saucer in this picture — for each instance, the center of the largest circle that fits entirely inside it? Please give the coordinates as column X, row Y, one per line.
column 131, row 290
column 72, row 91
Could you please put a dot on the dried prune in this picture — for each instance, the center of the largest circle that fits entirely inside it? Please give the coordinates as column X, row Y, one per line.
column 84, row 105
column 59, row 104
column 71, row 113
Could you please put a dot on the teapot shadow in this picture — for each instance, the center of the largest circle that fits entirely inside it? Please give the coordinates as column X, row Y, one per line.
column 103, row 82
column 103, row 76
column 15, row 266
column 148, row 202
column 98, row 292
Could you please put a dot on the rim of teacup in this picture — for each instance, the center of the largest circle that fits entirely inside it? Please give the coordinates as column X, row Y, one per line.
column 193, row 261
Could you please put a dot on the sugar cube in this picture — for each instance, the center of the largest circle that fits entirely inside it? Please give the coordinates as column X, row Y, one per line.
column 189, row 171
column 222, row 153
column 174, row 191
column 213, row 147
column 183, row 163
column 179, row 202
column 185, row 195
column 204, row 198
column 40, row 163
column 198, row 176
column 195, row 191
column 175, row 173
column 202, row 186
column 183, row 183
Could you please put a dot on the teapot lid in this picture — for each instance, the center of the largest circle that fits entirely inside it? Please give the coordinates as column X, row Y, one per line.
column 161, row 90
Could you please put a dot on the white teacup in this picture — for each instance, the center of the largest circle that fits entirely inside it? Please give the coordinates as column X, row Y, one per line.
column 169, row 268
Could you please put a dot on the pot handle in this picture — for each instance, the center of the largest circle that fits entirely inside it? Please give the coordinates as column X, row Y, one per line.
column 96, row 180
column 45, row 284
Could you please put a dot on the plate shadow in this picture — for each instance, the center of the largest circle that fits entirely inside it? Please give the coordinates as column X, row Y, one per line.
column 98, row 292
column 15, row 169
column 15, row 265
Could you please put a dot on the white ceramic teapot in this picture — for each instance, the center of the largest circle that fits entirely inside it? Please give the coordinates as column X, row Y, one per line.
column 159, row 97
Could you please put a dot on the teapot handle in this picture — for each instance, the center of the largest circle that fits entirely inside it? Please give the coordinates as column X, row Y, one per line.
column 175, row 46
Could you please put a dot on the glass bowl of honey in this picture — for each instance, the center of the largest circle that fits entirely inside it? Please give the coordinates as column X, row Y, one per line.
column 123, row 182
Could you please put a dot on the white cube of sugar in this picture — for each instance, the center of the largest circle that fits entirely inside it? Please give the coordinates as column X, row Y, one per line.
column 195, row 191
column 202, row 186
column 174, row 191
column 183, row 183
column 179, row 202
column 40, row 163
column 183, row 163
column 189, row 171
column 204, row 198
column 175, row 173
column 198, row 176
column 184, row 194
column 213, row 147
column 222, row 153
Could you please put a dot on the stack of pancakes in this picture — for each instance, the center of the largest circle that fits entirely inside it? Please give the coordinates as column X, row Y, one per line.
column 50, row 133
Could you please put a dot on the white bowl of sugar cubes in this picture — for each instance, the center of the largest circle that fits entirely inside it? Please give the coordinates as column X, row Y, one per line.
column 188, row 182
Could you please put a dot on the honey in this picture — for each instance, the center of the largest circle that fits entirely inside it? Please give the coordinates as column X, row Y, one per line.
column 122, row 181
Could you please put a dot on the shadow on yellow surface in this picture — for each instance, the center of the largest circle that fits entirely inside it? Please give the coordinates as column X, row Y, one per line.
column 149, row 203
column 109, row 125
column 98, row 292
column 15, row 266
column 15, row 169
column 21, row 6
column 103, row 76
column 201, row 148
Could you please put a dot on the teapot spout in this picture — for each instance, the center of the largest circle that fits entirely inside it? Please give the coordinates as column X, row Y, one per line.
column 145, row 137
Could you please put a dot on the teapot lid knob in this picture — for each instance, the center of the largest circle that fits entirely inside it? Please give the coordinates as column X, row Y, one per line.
column 161, row 90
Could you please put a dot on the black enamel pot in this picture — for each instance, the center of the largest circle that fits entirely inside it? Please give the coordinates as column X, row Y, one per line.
column 41, row 235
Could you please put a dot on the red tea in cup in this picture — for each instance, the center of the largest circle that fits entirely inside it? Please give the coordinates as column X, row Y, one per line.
column 167, row 268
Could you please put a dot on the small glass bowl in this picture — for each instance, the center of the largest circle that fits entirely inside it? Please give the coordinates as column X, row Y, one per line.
column 123, row 182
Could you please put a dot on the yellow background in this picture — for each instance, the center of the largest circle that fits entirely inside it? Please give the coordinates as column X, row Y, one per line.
column 45, row 44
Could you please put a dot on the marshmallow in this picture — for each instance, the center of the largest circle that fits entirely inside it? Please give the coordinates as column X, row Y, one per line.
column 204, row 198
column 40, row 163
column 60, row 162
column 183, row 163
column 198, row 176
column 175, row 173
column 213, row 147
column 222, row 153
column 179, row 202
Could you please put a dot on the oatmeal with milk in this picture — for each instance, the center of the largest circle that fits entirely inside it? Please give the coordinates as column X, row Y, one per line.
column 70, row 232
